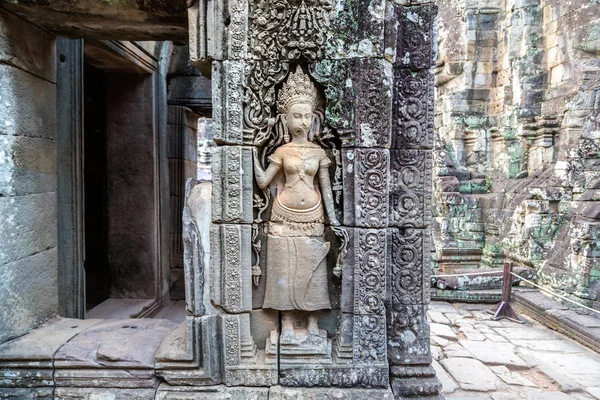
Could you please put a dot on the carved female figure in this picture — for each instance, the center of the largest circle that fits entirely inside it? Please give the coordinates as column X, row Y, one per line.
column 296, row 250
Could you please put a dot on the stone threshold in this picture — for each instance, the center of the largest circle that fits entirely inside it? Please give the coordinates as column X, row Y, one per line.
column 123, row 309
column 577, row 324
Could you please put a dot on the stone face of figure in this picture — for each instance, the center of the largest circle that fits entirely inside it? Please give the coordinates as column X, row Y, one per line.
column 296, row 251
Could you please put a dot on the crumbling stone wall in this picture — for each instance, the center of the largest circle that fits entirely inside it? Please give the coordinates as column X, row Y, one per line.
column 517, row 162
column 28, row 257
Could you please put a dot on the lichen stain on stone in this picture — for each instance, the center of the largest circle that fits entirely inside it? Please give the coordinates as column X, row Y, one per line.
column 367, row 135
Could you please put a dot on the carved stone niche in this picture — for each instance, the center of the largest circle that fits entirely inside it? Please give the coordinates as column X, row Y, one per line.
column 316, row 273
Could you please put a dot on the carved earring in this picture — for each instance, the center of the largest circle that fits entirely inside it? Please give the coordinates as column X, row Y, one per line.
column 286, row 132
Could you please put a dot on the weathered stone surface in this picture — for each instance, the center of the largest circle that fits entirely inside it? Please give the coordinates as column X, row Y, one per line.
column 410, row 188
column 494, row 353
column 35, row 55
column 228, row 79
column 412, row 109
column 443, row 331
column 416, row 36
column 471, row 374
column 29, row 292
column 24, row 110
column 283, row 393
column 104, row 393
column 96, row 19
column 41, row 344
column 511, row 377
column 29, row 165
column 221, row 392
column 190, row 354
column 232, row 184
column 408, row 335
column 130, row 343
column 409, row 279
column 448, row 384
column 231, row 274
column 366, row 187
column 364, row 271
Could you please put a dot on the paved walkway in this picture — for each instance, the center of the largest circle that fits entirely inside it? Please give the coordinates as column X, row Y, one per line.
column 477, row 358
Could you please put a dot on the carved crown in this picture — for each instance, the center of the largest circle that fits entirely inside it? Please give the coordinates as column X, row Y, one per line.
column 298, row 88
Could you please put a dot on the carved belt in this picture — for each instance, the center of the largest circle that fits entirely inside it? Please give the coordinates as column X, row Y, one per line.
column 283, row 213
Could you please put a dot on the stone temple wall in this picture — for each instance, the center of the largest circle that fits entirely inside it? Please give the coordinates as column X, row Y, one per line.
column 28, row 254
column 517, row 164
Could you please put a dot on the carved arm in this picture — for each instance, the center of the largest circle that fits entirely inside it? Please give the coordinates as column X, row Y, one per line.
column 327, row 193
column 264, row 177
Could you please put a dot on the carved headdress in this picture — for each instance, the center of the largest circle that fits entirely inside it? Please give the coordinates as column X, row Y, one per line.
column 298, row 88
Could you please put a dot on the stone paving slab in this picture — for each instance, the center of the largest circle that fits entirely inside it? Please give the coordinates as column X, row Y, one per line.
column 489, row 352
column 512, row 361
column 471, row 374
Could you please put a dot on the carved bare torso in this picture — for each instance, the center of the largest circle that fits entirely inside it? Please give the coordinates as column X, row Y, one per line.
column 300, row 165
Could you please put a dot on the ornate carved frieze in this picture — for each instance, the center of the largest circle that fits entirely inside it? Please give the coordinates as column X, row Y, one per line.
column 410, row 188
column 413, row 109
column 232, row 184
column 366, row 187
column 338, row 376
column 288, row 29
column 372, row 79
column 232, row 267
column 408, row 336
column 408, row 330
column 416, row 45
column 409, row 280
column 364, row 271
column 244, row 364
column 358, row 97
column 228, row 80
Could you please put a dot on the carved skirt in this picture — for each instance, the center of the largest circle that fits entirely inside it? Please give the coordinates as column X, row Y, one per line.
column 296, row 261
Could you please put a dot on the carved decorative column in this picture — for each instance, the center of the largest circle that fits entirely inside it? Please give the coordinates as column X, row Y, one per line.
column 371, row 61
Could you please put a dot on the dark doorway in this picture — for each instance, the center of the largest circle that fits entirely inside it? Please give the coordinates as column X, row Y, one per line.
column 97, row 273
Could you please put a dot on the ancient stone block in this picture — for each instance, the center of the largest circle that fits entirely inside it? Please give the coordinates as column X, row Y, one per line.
column 24, row 110
column 232, row 184
column 104, row 393
column 356, row 29
column 372, row 81
column 220, row 392
column 287, row 30
column 218, row 30
column 190, row 354
column 340, row 96
column 364, row 273
column 35, row 55
column 228, row 79
column 416, row 45
column 410, row 188
column 283, row 393
column 231, row 279
column 336, row 376
column 408, row 335
column 361, row 340
column 19, row 310
column 358, row 100
column 415, row 382
column 413, row 109
column 196, row 243
column 244, row 365
column 410, row 270
column 366, row 187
